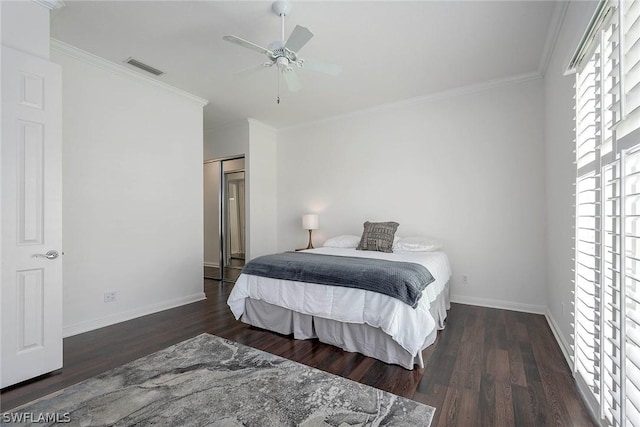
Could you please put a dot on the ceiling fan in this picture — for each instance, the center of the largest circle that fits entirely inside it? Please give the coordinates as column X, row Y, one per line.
column 284, row 54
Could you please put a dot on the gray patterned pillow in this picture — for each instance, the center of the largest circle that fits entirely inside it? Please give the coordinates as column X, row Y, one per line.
column 378, row 236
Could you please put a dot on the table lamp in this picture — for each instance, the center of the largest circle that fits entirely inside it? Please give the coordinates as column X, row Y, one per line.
column 310, row 222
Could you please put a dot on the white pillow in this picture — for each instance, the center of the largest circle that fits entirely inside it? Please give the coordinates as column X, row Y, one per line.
column 345, row 241
column 416, row 244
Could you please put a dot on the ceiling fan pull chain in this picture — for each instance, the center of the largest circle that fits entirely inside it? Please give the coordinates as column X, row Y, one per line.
column 278, row 78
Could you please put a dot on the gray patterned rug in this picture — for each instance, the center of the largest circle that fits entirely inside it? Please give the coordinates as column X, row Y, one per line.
column 211, row 381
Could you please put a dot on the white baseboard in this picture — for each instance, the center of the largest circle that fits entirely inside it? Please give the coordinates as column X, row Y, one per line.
column 505, row 305
column 562, row 342
column 211, row 264
column 593, row 406
column 112, row 319
column 583, row 390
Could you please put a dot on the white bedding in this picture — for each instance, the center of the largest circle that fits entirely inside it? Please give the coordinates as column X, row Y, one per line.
column 407, row 326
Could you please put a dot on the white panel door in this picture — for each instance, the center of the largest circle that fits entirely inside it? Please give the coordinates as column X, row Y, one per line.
column 31, row 297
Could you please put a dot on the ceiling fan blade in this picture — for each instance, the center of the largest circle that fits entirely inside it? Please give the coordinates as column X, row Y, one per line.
column 253, row 68
column 298, row 38
column 247, row 44
column 321, row 67
column 291, row 79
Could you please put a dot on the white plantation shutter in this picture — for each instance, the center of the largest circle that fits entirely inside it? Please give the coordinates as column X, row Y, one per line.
column 629, row 15
column 587, row 113
column 630, row 12
column 587, row 225
column 631, row 283
column 587, row 280
column 612, row 295
column 610, row 82
column 607, row 219
column 621, row 353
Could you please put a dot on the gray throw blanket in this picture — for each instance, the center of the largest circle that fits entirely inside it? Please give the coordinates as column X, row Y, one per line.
column 404, row 281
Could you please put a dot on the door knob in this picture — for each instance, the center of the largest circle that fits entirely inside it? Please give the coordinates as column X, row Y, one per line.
column 48, row 255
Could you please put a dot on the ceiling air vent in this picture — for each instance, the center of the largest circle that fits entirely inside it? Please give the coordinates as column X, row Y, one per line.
column 143, row 66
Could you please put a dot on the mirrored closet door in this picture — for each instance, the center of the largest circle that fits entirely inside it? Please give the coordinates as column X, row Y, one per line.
column 224, row 219
column 234, row 230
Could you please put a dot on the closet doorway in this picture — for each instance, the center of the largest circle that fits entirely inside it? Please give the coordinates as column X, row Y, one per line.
column 224, row 218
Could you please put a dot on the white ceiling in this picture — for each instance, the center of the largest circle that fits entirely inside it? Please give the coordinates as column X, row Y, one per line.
column 389, row 50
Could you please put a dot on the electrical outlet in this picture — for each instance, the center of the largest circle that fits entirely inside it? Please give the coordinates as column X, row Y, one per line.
column 465, row 279
column 110, row 296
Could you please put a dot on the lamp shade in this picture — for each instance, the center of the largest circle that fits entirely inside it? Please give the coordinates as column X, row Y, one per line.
column 310, row 222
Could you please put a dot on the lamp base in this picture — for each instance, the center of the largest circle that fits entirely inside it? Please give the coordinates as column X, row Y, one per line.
column 310, row 245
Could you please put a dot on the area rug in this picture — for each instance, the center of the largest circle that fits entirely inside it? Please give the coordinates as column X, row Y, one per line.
column 211, row 381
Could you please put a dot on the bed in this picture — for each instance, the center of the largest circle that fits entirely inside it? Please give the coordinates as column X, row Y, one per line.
column 355, row 320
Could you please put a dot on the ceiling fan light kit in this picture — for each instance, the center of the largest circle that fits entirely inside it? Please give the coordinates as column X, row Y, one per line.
column 284, row 54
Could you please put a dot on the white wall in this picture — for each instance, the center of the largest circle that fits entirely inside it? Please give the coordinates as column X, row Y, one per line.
column 467, row 169
column 132, row 194
column 25, row 26
column 560, row 172
column 261, row 176
column 226, row 141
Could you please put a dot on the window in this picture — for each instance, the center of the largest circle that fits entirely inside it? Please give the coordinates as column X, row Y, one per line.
column 607, row 215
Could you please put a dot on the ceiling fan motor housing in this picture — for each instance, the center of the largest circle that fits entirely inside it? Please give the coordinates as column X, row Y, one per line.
column 279, row 51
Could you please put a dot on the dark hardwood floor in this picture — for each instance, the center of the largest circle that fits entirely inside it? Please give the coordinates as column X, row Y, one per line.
column 489, row 367
column 230, row 273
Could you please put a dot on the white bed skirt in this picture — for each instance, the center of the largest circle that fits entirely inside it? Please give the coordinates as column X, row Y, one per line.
column 354, row 337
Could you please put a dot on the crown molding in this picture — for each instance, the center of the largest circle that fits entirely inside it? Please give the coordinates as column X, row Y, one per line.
column 258, row 123
column 557, row 18
column 459, row 91
column 50, row 4
column 90, row 58
column 238, row 123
